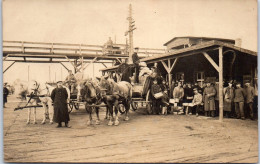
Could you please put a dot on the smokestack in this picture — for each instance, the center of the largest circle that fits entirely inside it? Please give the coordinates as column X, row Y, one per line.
column 238, row 42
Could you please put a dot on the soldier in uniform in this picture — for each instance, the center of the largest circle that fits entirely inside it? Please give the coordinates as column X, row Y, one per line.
column 71, row 81
column 209, row 99
column 239, row 98
column 249, row 95
column 228, row 98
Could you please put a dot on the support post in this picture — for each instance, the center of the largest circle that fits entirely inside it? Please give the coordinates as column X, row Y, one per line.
column 211, row 61
column 90, row 63
column 104, row 65
column 169, row 74
column 9, row 67
column 64, row 66
column 76, row 69
column 221, row 84
column 6, row 57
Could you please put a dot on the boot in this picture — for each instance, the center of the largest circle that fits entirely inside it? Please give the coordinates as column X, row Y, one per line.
column 67, row 125
column 164, row 110
column 212, row 113
column 59, row 125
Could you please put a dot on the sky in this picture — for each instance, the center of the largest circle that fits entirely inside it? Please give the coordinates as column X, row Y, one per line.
column 93, row 21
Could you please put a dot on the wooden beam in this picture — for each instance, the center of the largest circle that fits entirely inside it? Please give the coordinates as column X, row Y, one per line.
column 119, row 60
column 104, row 65
column 6, row 57
column 90, row 63
column 9, row 67
column 174, row 64
column 46, row 61
column 221, row 83
column 165, row 66
column 211, row 61
column 71, row 63
column 64, row 66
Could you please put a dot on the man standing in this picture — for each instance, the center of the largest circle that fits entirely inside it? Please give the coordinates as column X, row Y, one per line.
column 136, row 62
column 249, row 95
column 209, row 101
column 71, row 81
column 156, row 103
column 228, row 99
column 59, row 97
column 239, row 101
column 5, row 94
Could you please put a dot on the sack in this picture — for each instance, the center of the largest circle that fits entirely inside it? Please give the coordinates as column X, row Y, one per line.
column 172, row 101
column 158, row 95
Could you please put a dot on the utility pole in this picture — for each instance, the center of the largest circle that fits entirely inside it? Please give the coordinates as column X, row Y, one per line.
column 130, row 32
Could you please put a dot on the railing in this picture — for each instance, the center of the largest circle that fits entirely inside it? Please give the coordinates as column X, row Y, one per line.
column 24, row 47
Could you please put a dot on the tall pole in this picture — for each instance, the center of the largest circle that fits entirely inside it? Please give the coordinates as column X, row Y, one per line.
column 221, row 84
column 130, row 32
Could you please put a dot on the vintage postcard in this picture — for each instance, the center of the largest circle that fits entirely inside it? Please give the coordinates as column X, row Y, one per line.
column 149, row 81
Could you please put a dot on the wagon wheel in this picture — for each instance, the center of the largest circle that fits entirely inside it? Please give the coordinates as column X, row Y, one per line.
column 121, row 108
column 71, row 104
column 148, row 102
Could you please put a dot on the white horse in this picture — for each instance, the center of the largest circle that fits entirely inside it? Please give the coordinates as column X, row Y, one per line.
column 39, row 94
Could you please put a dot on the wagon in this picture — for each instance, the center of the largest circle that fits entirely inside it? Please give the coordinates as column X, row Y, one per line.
column 74, row 103
column 141, row 97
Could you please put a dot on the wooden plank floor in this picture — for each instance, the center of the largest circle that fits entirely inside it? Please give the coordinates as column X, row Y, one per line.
column 144, row 138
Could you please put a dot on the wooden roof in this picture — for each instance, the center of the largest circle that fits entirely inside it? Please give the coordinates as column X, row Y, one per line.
column 195, row 50
column 205, row 38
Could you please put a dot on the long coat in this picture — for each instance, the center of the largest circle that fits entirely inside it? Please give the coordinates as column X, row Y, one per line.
column 5, row 94
column 208, row 98
column 59, row 97
column 228, row 98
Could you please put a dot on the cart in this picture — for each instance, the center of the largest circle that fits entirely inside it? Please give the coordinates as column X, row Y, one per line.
column 141, row 97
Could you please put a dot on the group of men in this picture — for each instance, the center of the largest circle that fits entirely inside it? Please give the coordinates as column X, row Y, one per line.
column 237, row 100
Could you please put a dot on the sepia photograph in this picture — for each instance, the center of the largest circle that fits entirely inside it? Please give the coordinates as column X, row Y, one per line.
column 133, row 81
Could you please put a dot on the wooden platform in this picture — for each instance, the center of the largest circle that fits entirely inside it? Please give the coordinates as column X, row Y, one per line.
column 144, row 138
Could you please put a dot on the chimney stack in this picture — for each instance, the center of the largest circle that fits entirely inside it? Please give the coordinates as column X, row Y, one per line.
column 238, row 42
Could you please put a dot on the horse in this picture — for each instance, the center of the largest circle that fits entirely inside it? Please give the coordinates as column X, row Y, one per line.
column 39, row 94
column 112, row 93
column 91, row 95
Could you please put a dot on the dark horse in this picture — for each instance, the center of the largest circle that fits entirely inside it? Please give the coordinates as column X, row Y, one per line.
column 113, row 93
column 91, row 96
